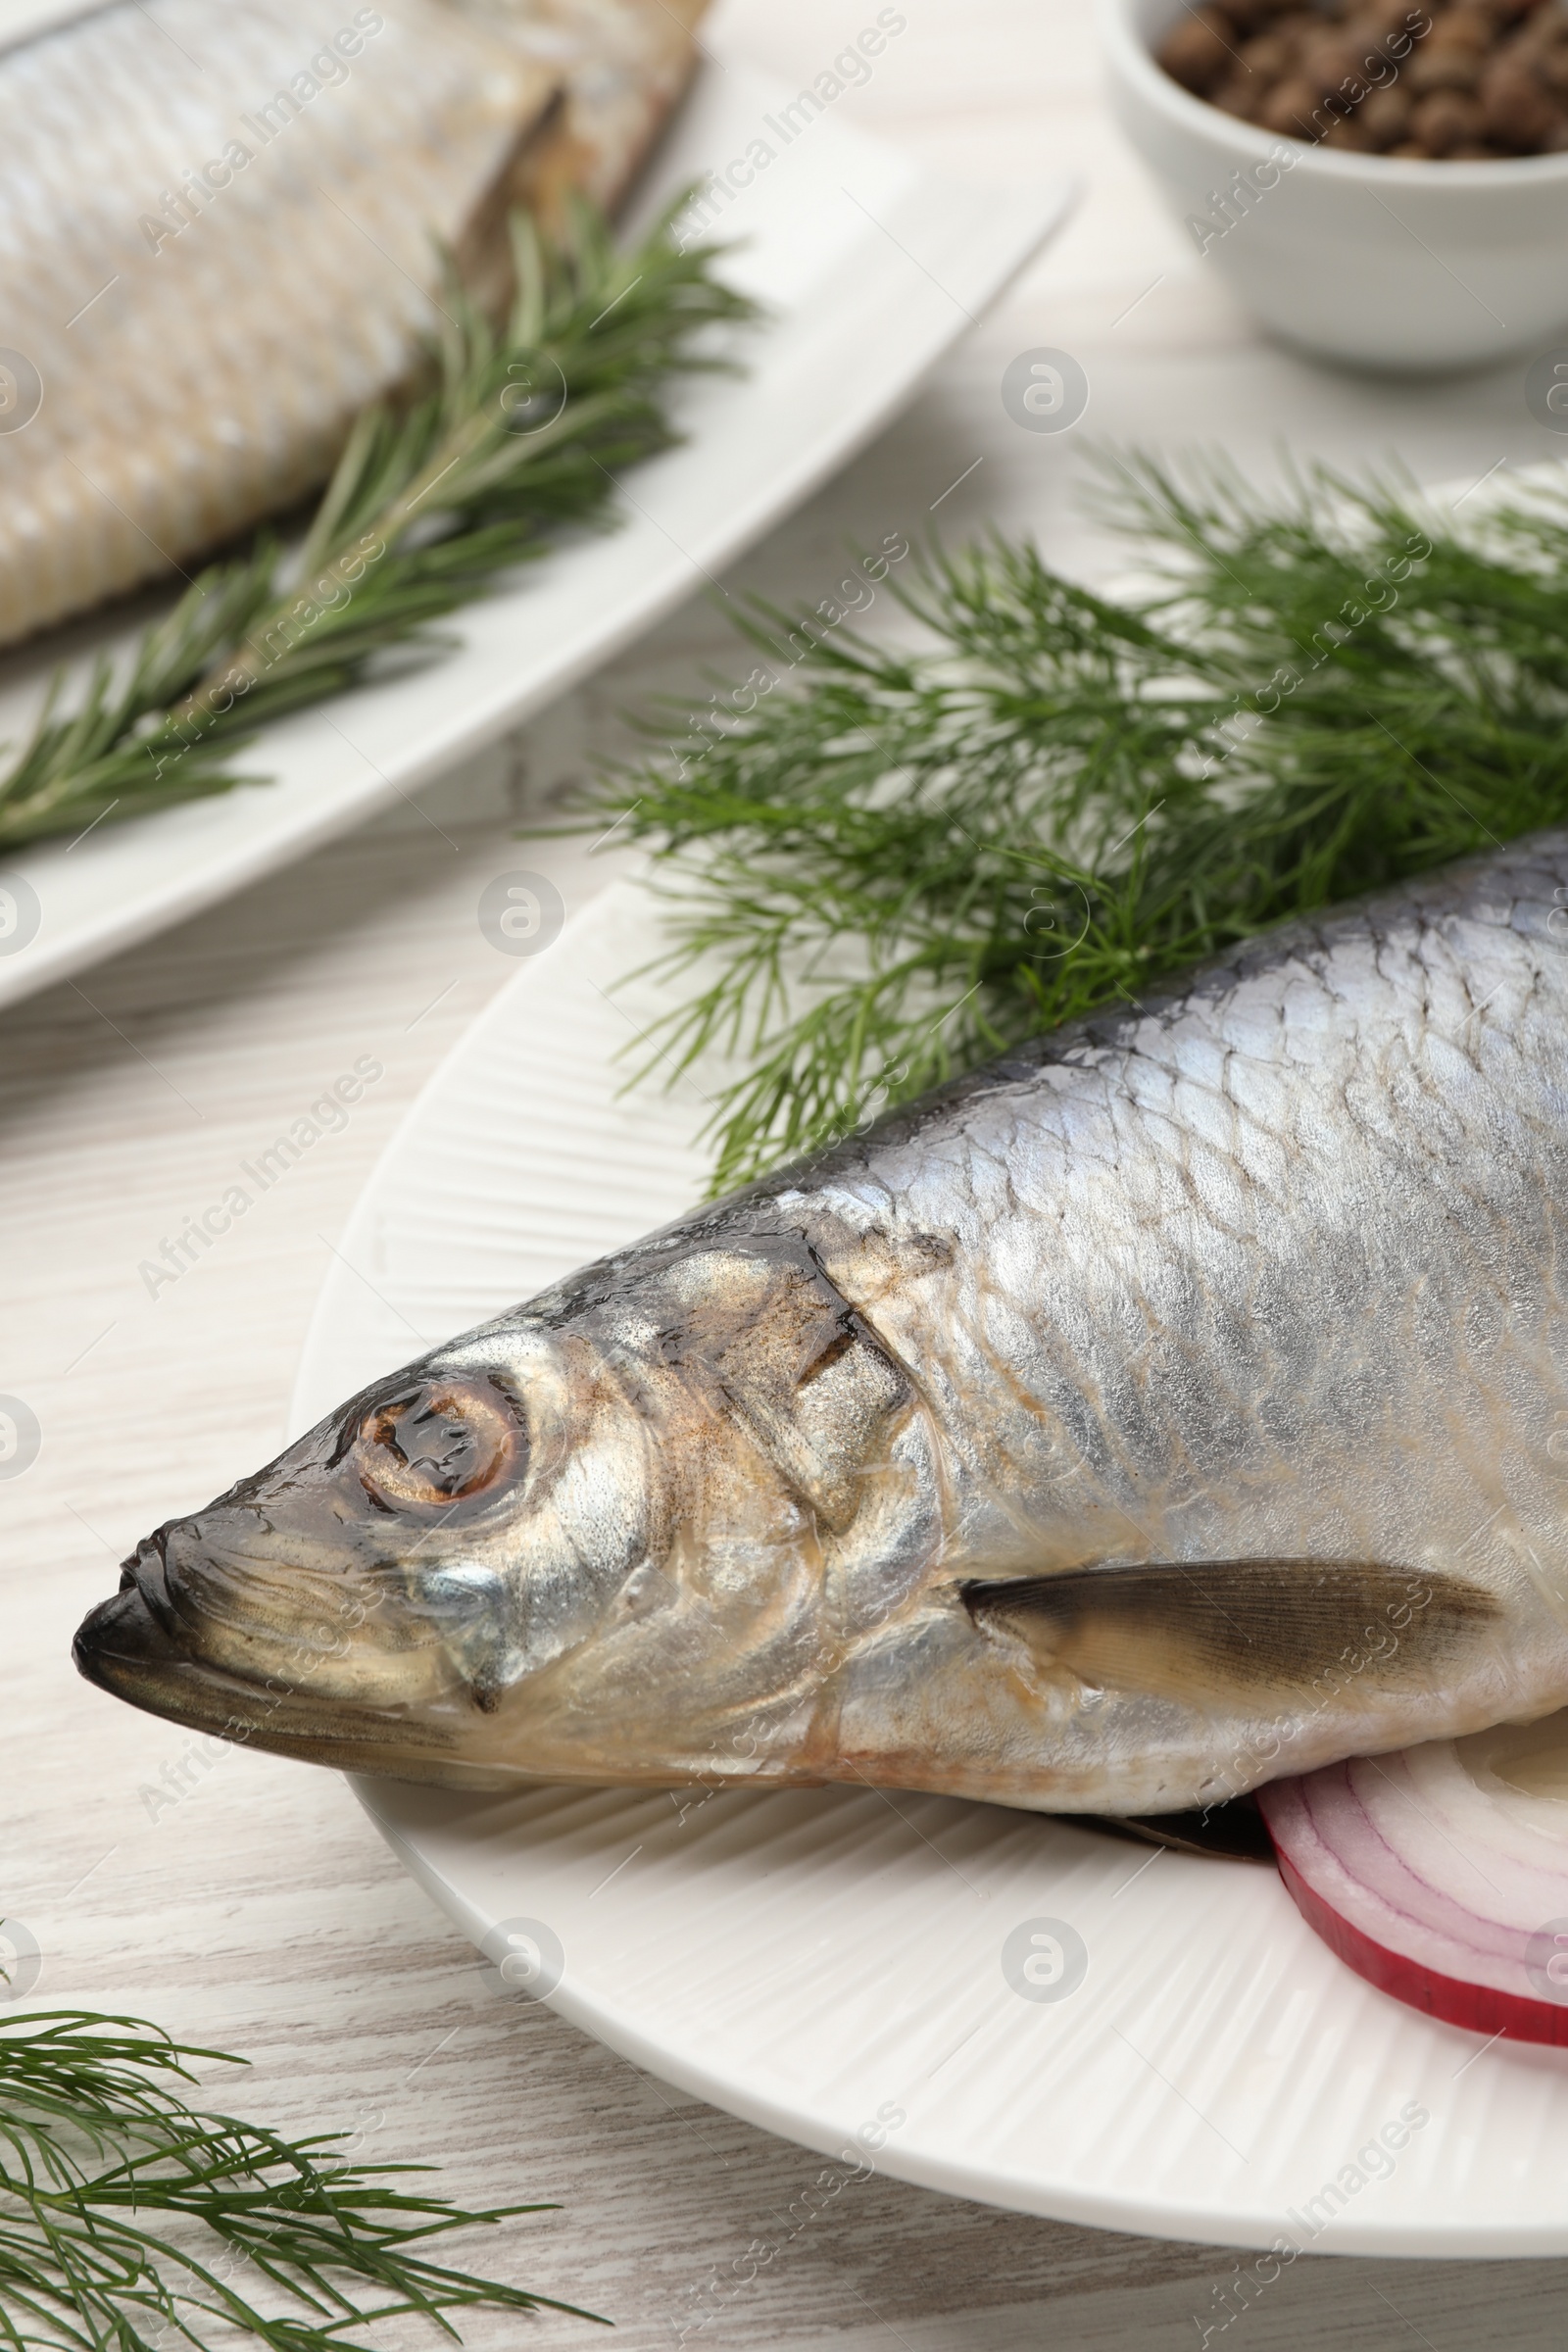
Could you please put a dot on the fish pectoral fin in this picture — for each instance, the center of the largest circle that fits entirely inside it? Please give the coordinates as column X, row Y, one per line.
column 1203, row 1631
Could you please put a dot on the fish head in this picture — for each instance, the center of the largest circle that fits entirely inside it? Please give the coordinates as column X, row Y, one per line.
column 580, row 1543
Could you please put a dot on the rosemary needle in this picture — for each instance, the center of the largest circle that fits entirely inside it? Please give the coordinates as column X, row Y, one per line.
column 433, row 498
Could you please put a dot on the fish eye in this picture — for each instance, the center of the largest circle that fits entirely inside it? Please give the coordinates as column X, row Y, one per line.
column 438, row 1445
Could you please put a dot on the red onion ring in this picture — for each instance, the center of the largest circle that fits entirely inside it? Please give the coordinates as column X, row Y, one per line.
column 1440, row 1874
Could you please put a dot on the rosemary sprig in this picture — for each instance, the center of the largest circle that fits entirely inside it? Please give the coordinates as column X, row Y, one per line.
column 129, row 2220
column 893, row 865
column 523, row 432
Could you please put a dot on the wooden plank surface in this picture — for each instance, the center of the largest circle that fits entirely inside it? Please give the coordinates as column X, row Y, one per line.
column 249, row 1903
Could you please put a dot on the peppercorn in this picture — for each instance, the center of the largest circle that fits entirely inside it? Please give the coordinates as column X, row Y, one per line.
column 1446, row 121
column 1271, row 55
column 1450, row 67
column 1516, row 107
column 1330, row 63
column 1470, row 81
column 1198, row 54
column 1290, row 108
column 1384, row 117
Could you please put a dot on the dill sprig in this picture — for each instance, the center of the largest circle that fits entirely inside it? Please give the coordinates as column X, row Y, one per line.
column 100, row 2154
column 520, row 433
column 883, row 866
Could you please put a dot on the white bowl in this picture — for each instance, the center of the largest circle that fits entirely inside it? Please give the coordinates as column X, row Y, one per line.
column 1388, row 264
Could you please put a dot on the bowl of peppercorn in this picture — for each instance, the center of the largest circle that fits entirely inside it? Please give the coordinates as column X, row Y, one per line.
column 1385, row 184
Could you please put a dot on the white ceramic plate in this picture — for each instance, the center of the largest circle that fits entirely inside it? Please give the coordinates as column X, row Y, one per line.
column 871, row 266
column 830, row 1964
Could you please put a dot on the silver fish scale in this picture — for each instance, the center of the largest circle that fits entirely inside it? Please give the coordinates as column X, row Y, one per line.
column 190, row 388
column 1268, row 1270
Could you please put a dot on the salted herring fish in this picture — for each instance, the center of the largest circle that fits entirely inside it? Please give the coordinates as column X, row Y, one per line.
column 218, row 239
column 1177, row 1403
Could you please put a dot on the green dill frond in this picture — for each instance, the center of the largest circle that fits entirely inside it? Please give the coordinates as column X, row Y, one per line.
column 131, row 2220
column 883, row 867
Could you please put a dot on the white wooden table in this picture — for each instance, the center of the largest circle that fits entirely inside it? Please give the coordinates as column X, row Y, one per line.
column 259, row 1911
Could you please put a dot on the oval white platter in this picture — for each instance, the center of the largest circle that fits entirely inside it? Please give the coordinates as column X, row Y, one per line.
column 869, row 267
column 830, row 1964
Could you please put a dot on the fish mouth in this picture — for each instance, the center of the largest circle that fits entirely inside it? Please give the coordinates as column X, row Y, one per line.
column 125, row 1647
column 128, row 1645
column 122, row 1647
